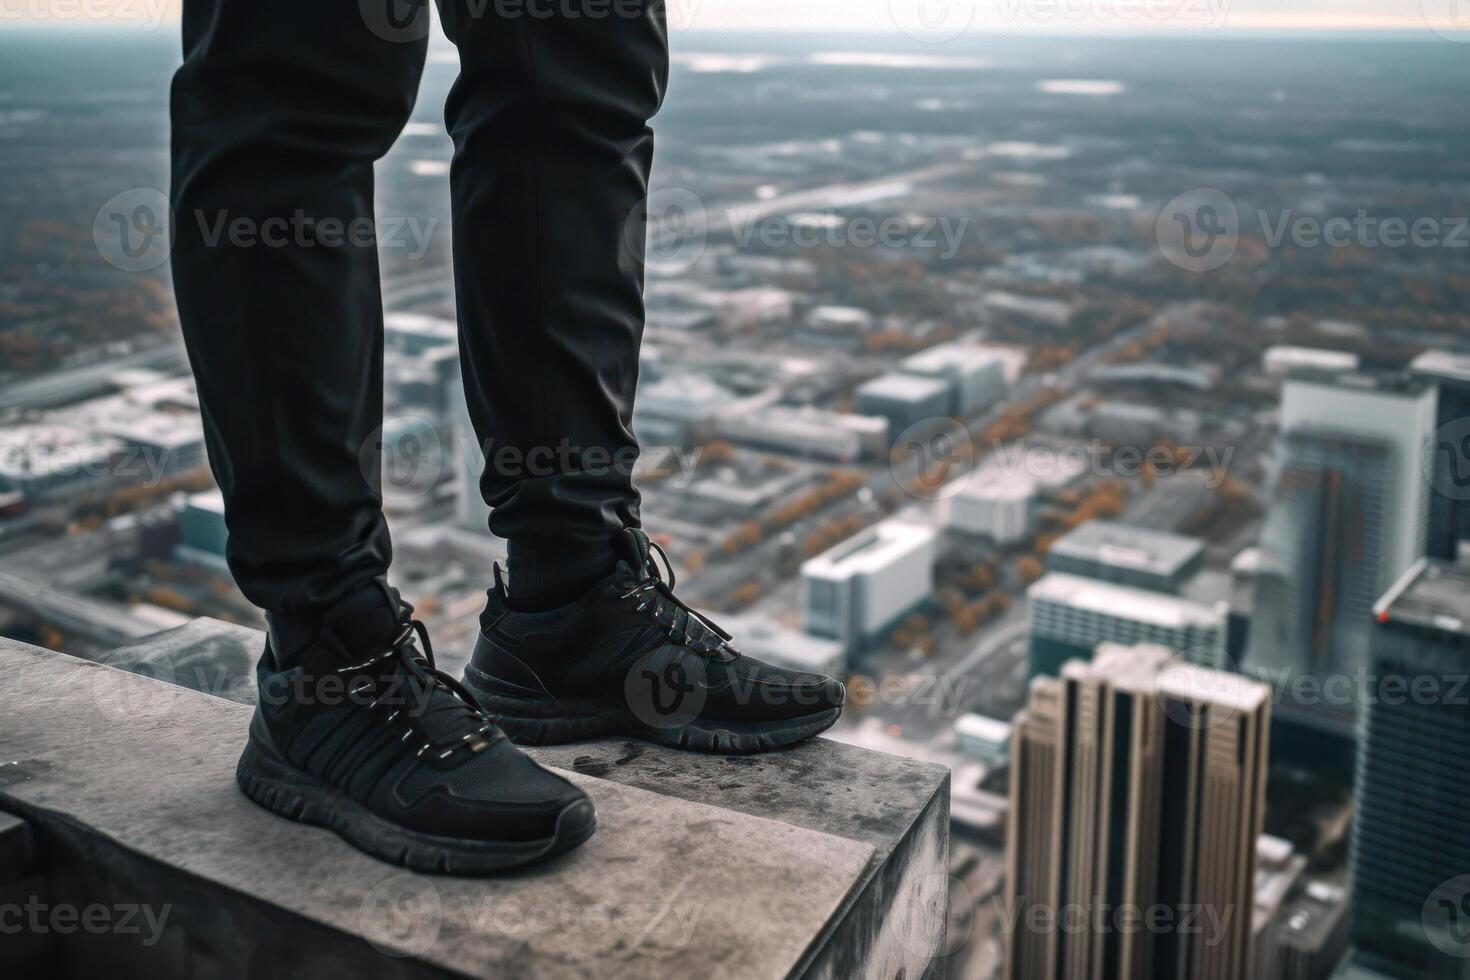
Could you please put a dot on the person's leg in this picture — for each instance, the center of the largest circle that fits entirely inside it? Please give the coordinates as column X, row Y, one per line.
column 550, row 181
column 550, row 176
column 279, row 112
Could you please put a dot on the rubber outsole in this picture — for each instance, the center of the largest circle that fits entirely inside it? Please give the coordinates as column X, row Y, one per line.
column 528, row 722
column 283, row 789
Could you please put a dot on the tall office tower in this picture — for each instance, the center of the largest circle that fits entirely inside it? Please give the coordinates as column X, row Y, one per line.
column 1411, row 830
column 1349, row 512
column 1137, row 795
column 1449, row 500
column 1070, row 615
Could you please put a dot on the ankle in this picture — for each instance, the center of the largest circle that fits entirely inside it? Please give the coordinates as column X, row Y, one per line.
column 545, row 575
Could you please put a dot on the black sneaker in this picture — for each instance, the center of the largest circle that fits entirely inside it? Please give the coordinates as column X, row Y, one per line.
column 630, row 658
column 366, row 737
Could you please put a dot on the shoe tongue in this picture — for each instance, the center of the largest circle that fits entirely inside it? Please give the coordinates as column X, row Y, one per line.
column 368, row 619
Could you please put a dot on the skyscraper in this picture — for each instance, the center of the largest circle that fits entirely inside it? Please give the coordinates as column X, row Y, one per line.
column 1349, row 512
column 1411, row 834
column 1449, row 501
column 1137, row 795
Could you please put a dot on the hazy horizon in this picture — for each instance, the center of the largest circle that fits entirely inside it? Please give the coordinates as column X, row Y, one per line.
column 932, row 21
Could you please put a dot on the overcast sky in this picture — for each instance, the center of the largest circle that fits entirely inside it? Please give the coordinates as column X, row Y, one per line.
column 931, row 20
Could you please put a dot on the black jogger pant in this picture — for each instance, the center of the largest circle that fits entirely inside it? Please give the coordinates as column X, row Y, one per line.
column 280, row 109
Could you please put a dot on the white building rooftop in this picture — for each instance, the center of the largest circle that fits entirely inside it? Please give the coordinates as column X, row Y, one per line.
column 904, row 388
column 1123, row 602
column 871, row 551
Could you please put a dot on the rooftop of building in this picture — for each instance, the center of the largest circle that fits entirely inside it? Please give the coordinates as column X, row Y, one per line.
column 421, row 324
column 1131, row 667
column 1290, row 356
column 135, row 797
column 945, row 357
column 903, row 387
column 1123, row 602
column 997, row 485
column 982, row 727
column 1127, row 546
column 871, row 551
column 1205, row 685
column 212, row 501
column 1052, row 468
column 1389, row 383
column 1430, row 594
column 1442, row 364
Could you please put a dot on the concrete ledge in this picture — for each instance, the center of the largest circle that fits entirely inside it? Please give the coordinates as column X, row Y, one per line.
column 826, row 860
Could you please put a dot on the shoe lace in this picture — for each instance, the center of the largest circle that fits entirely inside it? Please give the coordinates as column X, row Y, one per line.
column 414, row 656
column 655, row 595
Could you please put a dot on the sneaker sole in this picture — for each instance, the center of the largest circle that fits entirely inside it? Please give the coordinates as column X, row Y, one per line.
column 545, row 722
column 283, row 789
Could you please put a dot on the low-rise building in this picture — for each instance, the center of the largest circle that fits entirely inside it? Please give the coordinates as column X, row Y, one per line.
column 809, row 432
column 1129, row 555
column 987, row 740
column 1283, row 359
column 1070, row 615
column 975, row 375
column 904, row 400
column 997, row 505
column 857, row 590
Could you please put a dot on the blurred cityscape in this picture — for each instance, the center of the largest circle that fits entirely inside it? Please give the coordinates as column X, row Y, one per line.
column 965, row 365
